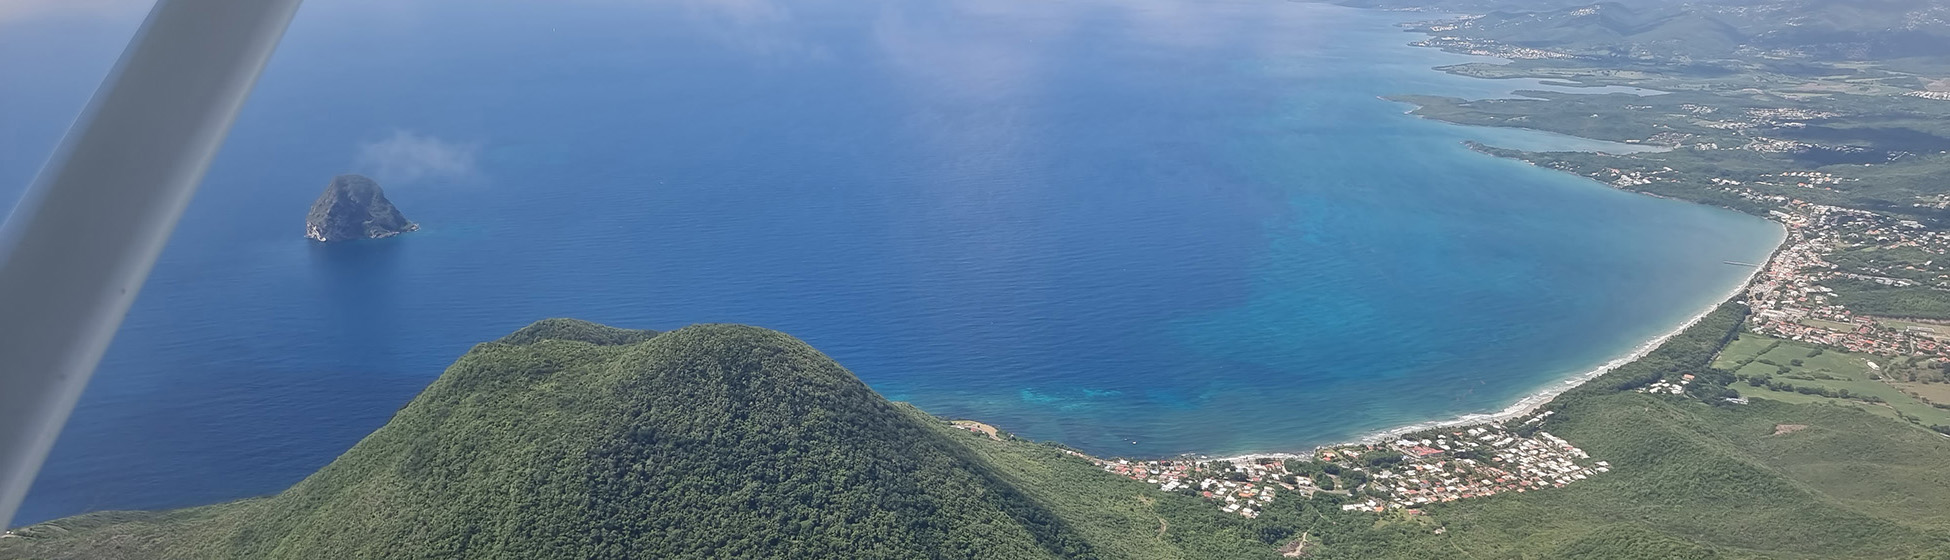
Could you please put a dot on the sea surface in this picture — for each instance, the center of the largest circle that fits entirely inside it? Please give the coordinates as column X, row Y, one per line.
column 1139, row 227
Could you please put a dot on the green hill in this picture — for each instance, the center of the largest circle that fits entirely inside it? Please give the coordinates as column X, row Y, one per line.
column 574, row 440
column 1612, row 29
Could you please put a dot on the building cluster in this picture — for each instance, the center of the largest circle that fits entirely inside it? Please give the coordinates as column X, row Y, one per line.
column 1792, row 296
column 1937, row 201
column 1789, row 300
column 1244, row 498
column 1670, row 139
column 1445, row 26
column 1790, row 114
column 1812, row 178
column 1168, row 475
column 1242, row 485
column 1486, row 47
column 1937, row 95
column 1775, row 146
column 1475, row 462
column 1725, row 125
column 1668, row 387
column 1406, row 473
column 1625, row 178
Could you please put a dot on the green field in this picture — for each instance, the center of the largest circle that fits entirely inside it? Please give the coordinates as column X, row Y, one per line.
column 1701, row 481
column 1753, row 356
column 1744, row 348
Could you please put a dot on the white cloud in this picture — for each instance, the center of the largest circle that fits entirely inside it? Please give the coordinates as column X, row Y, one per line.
column 408, row 157
column 760, row 27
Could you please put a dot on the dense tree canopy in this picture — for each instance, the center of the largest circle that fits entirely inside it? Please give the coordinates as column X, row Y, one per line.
column 573, row 440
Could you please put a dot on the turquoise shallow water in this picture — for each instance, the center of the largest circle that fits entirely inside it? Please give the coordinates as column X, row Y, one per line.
column 1138, row 228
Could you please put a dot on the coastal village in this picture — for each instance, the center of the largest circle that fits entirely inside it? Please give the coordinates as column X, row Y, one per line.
column 1788, row 299
column 1481, row 47
column 1406, row 472
column 1792, row 296
column 1803, row 298
column 1403, row 473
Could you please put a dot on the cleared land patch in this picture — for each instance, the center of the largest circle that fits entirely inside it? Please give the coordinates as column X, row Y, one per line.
column 1933, row 392
column 1794, row 372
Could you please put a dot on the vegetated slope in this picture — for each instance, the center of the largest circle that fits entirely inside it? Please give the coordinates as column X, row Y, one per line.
column 1121, row 517
column 1613, row 29
column 1826, row 30
column 1689, row 480
column 573, row 440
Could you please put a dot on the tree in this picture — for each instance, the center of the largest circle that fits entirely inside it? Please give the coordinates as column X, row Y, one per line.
column 1302, row 468
column 1355, row 478
column 1384, row 457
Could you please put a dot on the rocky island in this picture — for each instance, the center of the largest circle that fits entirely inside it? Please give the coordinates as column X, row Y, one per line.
column 353, row 207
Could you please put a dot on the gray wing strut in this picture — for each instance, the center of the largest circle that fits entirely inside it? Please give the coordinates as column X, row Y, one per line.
column 79, row 245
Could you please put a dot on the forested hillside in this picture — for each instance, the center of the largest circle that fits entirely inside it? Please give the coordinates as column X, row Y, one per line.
column 574, row 440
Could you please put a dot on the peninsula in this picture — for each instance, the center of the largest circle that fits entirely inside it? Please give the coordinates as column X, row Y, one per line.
column 353, row 207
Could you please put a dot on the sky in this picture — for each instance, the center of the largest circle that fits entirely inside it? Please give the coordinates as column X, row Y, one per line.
column 16, row 11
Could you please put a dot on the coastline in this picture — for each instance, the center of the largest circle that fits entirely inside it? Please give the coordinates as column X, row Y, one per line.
column 1629, row 148
column 1532, row 401
column 1537, row 399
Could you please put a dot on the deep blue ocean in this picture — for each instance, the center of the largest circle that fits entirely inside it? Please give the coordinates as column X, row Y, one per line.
column 1139, row 227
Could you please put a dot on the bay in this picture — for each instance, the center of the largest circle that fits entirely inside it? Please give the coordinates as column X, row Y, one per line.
column 1139, row 228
